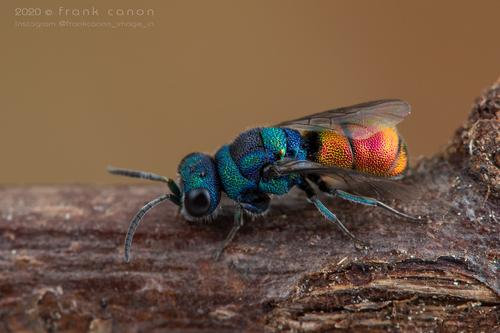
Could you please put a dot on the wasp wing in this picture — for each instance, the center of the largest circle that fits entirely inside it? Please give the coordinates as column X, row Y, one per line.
column 358, row 182
column 358, row 121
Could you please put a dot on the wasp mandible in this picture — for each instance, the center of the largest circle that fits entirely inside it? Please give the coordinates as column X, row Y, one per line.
column 356, row 145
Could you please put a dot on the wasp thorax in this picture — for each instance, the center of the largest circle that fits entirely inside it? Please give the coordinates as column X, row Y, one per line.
column 200, row 183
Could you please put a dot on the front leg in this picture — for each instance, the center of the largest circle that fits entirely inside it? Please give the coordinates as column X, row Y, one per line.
column 255, row 202
column 238, row 222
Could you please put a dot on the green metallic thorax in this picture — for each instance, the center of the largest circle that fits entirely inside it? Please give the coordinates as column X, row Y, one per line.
column 240, row 164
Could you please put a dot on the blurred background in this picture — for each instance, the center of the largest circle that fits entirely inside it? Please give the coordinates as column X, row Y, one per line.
column 198, row 73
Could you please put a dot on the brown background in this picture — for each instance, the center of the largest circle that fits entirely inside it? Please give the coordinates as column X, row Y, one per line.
column 76, row 99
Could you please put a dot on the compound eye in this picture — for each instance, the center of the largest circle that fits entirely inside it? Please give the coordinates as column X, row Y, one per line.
column 197, row 202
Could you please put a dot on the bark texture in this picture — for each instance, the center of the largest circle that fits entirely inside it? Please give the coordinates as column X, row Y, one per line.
column 62, row 266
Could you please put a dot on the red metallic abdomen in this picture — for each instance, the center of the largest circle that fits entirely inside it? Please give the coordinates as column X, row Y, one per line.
column 382, row 154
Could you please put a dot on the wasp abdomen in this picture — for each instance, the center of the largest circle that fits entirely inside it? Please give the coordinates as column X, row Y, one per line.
column 383, row 153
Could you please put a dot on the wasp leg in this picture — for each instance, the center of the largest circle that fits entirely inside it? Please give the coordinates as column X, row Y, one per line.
column 374, row 202
column 325, row 188
column 311, row 197
column 138, row 217
column 238, row 222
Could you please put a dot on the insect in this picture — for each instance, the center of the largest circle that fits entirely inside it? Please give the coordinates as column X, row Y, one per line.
column 358, row 146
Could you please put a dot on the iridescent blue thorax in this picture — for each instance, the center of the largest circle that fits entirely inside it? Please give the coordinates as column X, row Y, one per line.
column 240, row 165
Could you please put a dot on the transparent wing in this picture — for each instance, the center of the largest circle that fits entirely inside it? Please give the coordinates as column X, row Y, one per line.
column 358, row 121
column 358, row 182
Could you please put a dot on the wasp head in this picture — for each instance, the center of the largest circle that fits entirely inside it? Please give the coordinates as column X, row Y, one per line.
column 200, row 183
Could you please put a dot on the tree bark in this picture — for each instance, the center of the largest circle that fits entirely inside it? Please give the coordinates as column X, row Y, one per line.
column 62, row 267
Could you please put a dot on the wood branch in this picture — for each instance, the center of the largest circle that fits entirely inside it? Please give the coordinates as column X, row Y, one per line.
column 62, row 267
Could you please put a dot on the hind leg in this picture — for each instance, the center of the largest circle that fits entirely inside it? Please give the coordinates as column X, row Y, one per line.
column 325, row 188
